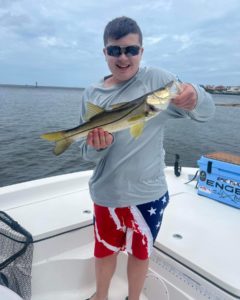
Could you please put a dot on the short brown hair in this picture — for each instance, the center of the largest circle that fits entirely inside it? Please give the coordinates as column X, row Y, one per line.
column 120, row 27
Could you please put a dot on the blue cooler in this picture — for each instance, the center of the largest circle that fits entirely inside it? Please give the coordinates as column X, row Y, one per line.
column 219, row 177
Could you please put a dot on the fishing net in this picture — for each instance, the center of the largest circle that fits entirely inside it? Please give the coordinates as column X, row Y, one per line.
column 15, row 256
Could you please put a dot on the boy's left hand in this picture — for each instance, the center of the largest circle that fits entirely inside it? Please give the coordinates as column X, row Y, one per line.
column 187, row 99
column 99, row 139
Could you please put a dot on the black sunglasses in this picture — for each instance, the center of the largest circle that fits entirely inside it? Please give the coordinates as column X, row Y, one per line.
column 116, row 51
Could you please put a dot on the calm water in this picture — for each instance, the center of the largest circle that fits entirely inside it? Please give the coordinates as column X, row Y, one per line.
column 26, row 113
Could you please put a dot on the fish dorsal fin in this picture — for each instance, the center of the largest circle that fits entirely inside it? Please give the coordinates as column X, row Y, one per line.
column 136, row 130
column 92, row 110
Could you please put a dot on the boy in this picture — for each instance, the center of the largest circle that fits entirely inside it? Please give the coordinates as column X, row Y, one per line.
column 128, row 186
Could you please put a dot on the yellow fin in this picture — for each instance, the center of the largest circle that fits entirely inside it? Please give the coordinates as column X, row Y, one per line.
column 92, row 110
column 61, row 146
column 137, row 130
column 53, row 136
column 136, row 118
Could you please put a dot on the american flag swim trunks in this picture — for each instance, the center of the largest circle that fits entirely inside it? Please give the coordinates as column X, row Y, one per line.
column 132, row 228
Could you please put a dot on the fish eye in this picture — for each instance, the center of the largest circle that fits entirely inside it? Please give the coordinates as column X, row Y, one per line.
column 153, row 108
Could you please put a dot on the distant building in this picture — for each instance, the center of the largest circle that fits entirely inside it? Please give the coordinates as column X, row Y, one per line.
column 221, row 89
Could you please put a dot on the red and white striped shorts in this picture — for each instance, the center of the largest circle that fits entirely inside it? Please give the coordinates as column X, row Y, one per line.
column 132, row 228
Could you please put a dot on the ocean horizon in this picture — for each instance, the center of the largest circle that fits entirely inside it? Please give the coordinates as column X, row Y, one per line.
column 28, row 112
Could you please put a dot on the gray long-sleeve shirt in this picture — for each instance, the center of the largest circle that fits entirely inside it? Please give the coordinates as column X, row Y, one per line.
column 131, row 171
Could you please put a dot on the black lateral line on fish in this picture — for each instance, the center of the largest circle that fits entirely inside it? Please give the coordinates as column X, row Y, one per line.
column 73, row 134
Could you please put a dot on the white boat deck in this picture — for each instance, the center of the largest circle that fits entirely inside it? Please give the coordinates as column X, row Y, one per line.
column 50, row 206
column 203, row 234
column 200, row 233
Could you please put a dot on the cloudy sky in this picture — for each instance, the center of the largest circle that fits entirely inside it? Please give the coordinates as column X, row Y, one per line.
column 59, row 42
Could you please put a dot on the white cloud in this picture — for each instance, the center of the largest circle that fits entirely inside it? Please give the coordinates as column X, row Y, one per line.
column 164, row 5
column 153, row 40
column 188, row 37
column 52, row 41
column 185, row 41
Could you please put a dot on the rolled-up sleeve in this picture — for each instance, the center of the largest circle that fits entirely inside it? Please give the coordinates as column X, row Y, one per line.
column 205, row 108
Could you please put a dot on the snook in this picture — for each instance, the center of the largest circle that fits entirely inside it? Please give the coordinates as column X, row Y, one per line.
column 131, row 115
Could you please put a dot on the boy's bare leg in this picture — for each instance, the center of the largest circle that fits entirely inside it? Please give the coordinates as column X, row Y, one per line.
column 104, row 270
column 137, row 271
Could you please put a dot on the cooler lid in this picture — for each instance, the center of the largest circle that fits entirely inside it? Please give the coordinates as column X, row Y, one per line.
column 210, row 238
column 226, row 157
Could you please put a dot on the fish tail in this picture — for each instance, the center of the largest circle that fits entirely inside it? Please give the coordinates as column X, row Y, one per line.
column 62, row 142
column 61, row 146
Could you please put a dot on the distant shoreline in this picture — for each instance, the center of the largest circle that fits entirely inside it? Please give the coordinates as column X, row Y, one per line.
column 222, row 90
column 39, row 86
column 223, row 93
column 81, row 88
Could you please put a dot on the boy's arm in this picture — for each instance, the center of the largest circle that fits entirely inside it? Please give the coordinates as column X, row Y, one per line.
column 193, row 102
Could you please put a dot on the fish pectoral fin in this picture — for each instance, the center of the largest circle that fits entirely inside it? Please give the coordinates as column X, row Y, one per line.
column 61, row 146
column 53, row 136
column 136, row 130
column 92, row 110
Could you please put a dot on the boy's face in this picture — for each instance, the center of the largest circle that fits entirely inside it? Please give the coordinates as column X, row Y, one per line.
column 125, row 65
